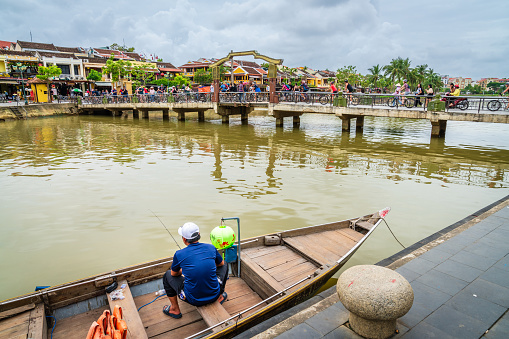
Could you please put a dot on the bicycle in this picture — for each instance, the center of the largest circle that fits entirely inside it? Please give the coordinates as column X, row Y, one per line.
column 496, row 104
column 325, row 99
column 394, row 101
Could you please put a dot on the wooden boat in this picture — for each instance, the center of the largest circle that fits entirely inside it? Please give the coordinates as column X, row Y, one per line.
column 277, row 271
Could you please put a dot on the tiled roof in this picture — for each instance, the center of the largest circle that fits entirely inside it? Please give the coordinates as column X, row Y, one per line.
column 57, row 55
column 133, row 55
column 248, row 63
column 36, row 45
column 8, row 52
column 165, row 65
column 93, row 60
column 251, row 71
column 5, row 44
column 69, row 49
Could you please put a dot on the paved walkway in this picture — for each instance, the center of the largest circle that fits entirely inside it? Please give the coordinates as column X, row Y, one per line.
column 461, row 288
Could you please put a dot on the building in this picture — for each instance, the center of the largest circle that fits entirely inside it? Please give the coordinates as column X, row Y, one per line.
column 12, row 79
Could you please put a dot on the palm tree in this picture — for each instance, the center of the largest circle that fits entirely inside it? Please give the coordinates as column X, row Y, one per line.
column 376, row 72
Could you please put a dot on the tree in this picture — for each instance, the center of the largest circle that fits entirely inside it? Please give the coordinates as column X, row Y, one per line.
column 496, row 87
column 116, row 69
column 349, row 73
column 94, row 75
column 202, row 76
column 45, row 73
column 398, row 68
column 117, row 47
column 142, row 73
column 376, row 73
column 159, row 60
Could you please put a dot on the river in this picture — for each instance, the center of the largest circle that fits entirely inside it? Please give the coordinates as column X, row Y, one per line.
column 79, row 194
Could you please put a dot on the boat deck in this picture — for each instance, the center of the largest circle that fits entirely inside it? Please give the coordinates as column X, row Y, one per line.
column 157, row 324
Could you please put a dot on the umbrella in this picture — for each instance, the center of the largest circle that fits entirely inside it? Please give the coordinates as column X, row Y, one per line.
column 76, row 90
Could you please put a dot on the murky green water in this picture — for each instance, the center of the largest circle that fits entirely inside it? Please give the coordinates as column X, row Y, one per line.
column 76, row 193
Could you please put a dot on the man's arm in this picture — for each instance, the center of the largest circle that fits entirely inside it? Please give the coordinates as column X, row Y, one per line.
column 176, row 274
column 218, row 265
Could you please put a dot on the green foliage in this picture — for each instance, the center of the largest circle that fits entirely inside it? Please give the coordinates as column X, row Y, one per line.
column 376, row 74
column 177, row 81
column 116, row 68
column 349, row 73
column 142, row 73
column 476, row 89
column 117, row 47
column 159, row 60
column 94, row 75
column 222, row 72
column 496, row 87
column 203, row 77
column 45, row 73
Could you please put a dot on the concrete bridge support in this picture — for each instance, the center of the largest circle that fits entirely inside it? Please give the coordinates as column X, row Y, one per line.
column 201, row 116
column 225, row 119
column 359, row 123
column 438, row 128
column 279, row 122
column 144, row 114
column 166, row 114
column 243, row 118
column 345, row 123
column 181, row 116
column 296, row 121
column 136, row 114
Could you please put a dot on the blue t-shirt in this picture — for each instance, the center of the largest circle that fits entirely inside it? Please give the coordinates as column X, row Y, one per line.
column 198, row 262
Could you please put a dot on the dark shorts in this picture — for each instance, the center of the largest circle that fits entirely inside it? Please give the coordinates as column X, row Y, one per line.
column 175, row 285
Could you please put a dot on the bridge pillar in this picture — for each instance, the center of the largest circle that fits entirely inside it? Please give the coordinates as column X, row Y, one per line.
column 438, row 128
column 296, row 121
column 201, row 116
column 243, row 118
column 166, row 114
column 345, row 123
column 359, row 123
column 181, row 116
column 279, row 122
column 136, row 114
column 144, row 114
column 225, row 119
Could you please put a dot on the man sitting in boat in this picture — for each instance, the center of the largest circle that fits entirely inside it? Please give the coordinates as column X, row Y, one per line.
column 198, row 273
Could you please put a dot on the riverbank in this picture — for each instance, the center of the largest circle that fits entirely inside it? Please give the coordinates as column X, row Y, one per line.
column 16, row 112
column 460, row 278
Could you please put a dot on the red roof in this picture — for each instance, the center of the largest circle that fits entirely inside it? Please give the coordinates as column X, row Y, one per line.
column 170, row 70
column 5, row 44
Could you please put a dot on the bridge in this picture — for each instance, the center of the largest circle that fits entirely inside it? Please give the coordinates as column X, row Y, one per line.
column 294, row 104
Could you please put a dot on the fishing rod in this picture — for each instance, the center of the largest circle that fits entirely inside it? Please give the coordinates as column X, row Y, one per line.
column 165, row 228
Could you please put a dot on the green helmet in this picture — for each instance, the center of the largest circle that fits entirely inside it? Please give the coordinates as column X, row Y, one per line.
column 222, row 237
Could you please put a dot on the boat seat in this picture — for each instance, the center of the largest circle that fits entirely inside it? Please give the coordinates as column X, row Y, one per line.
column 135, row 328
column 213, row 314
column 363, row 224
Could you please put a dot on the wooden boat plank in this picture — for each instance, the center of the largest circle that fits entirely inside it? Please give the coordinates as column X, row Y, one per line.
column 22, row 318
column 262, row 250
column 130, row 312
column 18, row 331
column 153, row 314
column 182, row 332
column 292, row 280
column 294, row 270
column 270, row 260
column 37, row 326
column 274, row 271
column 311, row 251
column 76, row 326
column 17, row 310
column 351, row 234
column 336, row 243
column 240, row 304
column 213, row 314
column 167, row 324
column 259, row 280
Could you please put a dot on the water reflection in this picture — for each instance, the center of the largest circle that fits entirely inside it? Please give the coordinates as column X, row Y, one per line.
column 73, row 186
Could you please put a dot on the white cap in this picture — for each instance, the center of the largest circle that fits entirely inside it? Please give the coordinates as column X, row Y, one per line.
column 189, row 230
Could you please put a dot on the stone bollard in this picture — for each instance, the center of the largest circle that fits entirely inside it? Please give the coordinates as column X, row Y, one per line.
column 375, row 296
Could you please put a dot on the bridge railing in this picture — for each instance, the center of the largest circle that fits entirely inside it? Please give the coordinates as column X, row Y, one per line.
column 243, row 97
column 147, row 98
column 414, row 102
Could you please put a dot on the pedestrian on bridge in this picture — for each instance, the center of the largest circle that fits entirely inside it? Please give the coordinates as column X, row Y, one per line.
column 506, row 90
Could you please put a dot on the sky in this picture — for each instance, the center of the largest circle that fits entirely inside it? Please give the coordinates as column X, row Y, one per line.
column 467, row 38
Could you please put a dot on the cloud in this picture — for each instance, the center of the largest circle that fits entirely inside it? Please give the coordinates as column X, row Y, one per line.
column 462, row 38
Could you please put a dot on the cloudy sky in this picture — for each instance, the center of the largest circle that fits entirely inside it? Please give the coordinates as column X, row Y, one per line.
column 468, row 38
